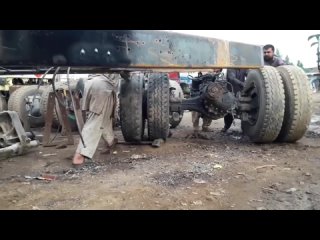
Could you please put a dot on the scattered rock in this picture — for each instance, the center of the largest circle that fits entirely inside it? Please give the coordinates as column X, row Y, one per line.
column 198, row 202
column 261, row 169
column 261, row 208
column 199, row 181
column 49, row 154
column 48, row 177
column 217, row 166
column 157, row 142
column 209, row 199
column 291, row 190
column 215, row 193
column 136, row 156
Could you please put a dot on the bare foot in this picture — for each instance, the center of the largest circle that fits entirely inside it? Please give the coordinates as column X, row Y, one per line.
column 78, row 159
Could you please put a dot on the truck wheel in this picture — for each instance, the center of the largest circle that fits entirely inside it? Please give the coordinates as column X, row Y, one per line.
column 131, row 117
column 176, row 117
column 158, row 106
column 18, row 102
column 265, row 90
column 298, row 104
column 3, row 104
column 56, row 113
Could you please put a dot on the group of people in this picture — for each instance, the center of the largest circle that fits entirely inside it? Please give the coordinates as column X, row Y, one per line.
column 236, row 77
column 99, row 101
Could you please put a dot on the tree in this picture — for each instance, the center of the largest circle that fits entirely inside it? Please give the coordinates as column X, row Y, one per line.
column 278, row 53
column 300, row 64
column 287, row 60
column 316, row 36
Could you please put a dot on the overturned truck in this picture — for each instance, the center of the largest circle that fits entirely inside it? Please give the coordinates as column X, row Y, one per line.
column 275, row 104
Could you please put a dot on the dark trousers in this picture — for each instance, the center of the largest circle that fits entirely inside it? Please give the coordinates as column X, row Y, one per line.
column 228, row 119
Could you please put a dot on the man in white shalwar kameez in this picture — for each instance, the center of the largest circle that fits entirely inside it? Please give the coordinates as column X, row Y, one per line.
column 100, row 101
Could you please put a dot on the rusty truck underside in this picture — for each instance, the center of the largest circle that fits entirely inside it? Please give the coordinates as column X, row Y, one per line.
column 34, row 51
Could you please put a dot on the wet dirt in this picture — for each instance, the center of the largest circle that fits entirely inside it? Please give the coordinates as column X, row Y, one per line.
column 221, row 171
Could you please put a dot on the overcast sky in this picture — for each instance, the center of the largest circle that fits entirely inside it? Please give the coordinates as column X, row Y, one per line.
column 293, row 43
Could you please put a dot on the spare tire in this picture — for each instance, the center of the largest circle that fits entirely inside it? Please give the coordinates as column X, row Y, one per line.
column 264, row 121
column 19, row 102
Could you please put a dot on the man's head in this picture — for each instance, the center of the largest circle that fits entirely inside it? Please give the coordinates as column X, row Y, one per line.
column 268, row 52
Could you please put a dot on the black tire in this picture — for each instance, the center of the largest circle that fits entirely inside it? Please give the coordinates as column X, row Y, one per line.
column 158, row 106
column 265, row 87
column 3, row 104
column 56, row 113
column 131, row 117
column 17, row 103
column 298, row 104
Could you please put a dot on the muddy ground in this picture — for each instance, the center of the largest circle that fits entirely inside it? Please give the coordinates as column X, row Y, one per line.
column 224, row 171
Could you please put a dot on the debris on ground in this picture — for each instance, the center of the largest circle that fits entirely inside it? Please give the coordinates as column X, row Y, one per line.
column 261, row 208
column 198, row 202
column 43, row 177
column 261, row 168
column 199, row 181
column 49, row 154
column 291, row 190
column 137, row 156
column 217, row 166
column 157, row 142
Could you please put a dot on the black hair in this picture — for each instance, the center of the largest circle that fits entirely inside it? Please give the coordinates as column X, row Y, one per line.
column 268, row 46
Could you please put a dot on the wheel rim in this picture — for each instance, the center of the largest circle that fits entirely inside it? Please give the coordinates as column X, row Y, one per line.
column 254, row 103
column 32, row 108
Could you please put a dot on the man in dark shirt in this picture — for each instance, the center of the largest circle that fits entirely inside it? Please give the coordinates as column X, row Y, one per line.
column 269, row 57
column 236, row 78
column 197, row 84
